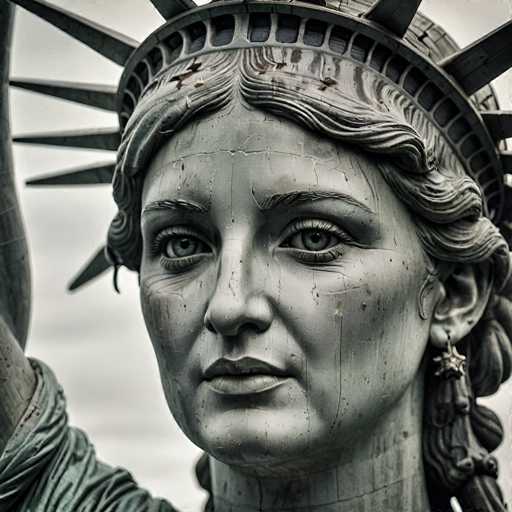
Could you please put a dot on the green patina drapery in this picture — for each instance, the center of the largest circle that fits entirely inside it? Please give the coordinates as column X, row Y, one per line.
column 49, row 466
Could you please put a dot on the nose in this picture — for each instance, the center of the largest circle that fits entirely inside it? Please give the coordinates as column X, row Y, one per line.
column 237, row 302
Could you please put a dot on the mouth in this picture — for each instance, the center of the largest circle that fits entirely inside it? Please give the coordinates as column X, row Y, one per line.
column 245, row 376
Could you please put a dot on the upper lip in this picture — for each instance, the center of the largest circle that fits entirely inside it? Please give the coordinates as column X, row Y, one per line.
column 242, row 366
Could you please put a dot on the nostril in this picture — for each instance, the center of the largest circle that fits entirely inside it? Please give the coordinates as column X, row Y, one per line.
column 254, row 326
column 210, row 327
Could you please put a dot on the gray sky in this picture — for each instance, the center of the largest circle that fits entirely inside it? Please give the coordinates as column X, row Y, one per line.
column 95, row 340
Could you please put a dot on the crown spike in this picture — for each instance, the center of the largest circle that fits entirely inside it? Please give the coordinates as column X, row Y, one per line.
column 106, row 139
column 395, row 15
column 506, row 160
column 499, row 123
column 170, row 8
column 87, row 175
column 481, row 62
column 93, row 95
column 109, row 43
column 92, row 269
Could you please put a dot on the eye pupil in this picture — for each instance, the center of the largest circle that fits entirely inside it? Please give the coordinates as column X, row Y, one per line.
column 181, row 247
column 315, row 240
column 184, row 243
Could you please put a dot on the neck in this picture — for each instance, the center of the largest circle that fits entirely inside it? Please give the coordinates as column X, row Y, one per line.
column 382, row 472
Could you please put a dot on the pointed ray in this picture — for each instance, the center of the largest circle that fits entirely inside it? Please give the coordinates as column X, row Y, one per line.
column 112, row 45
column 506, row 160
column 484, row 60
column 170, row 8
column 93, row 268
column 395, row 15
column 93, row 95
column 90, row 175
column 499, row 123
column 107, row 139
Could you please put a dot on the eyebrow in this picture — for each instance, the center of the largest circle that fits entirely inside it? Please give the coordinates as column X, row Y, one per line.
column 174, row 205
column 302, row 196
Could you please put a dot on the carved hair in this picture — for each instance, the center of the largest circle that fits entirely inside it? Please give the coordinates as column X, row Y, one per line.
column 445, row 202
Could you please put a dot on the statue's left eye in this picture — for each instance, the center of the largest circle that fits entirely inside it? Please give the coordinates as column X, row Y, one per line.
column 313, row 235
column 313, row 240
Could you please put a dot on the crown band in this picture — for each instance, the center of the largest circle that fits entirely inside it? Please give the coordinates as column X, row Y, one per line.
column 238, row 25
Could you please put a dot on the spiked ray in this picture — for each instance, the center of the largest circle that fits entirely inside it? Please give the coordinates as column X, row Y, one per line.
column 90, row 175
column 93, row 95
column 499, row 123
column 92, row 269
column 506, row 160
column 484, row 60
column 112, row 45
column 106, row 139
column 395, row 15
column 170, row 8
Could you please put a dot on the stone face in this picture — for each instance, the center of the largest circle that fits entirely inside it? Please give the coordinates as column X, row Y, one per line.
column 310, row 248
column 293, row 268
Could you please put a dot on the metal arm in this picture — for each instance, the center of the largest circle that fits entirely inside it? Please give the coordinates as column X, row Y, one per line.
column 16, row 376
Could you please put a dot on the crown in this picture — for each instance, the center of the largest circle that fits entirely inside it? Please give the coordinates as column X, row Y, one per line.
column 390, row 37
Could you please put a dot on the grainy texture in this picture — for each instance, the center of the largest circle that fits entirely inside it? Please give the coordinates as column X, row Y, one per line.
column 14, row 263
column 114, row 46
column 100, row 96
column 294, row 336
column 47, row 466
column 16, row 377
column 170, row 8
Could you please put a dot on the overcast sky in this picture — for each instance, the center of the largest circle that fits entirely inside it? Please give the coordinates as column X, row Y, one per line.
column 95, row 340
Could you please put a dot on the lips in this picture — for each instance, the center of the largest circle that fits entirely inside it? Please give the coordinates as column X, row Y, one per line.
column 243, row 376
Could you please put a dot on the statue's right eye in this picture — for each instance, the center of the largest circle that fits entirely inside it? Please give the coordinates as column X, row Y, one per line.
column 180, row 248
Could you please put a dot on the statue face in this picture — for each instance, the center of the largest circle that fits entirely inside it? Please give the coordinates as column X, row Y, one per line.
column 280, row 285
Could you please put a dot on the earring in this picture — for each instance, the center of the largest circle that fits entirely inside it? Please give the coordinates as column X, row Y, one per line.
column 451, row 364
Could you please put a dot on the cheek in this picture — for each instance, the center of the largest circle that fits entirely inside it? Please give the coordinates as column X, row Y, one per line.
column 173, row 312
column 360, row 332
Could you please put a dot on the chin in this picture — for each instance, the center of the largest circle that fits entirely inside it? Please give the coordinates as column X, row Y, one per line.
column 264, row 443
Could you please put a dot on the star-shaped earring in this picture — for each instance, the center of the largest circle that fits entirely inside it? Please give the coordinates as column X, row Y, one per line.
column 452, row 364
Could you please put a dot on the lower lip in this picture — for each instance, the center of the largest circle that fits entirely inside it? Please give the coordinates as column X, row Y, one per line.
column 245, row 384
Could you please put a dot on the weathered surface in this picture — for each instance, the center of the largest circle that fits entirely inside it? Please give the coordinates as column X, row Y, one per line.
column 311, row 244
column 484, row 60
column 109, row 43
column 14, row 263
column 48, row 466
column 499, row 123
column 395, row 15
column 97, row 264
column 94, row 95
column 171, row 8
column 105, row 139
column 16, row 378
column 87, row 175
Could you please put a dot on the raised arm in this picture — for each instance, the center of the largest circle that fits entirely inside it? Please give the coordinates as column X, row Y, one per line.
column 16, row 376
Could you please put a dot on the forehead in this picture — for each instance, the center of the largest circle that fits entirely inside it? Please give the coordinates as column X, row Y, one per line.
column 253, row 151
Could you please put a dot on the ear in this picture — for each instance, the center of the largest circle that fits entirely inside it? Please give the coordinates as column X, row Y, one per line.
column 463, row 297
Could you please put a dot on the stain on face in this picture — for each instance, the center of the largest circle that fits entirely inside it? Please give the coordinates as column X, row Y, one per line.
column 279, row 284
